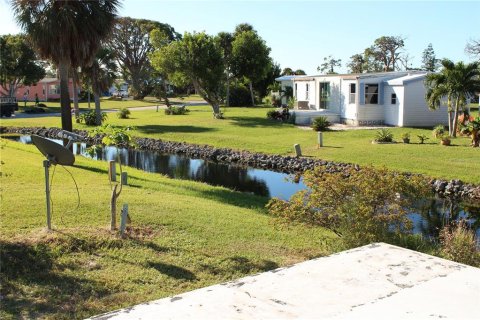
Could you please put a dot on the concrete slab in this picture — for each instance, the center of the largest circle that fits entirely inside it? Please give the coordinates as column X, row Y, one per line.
column 378, row 281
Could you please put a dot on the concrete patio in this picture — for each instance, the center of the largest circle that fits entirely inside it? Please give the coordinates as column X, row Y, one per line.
column 378, row 281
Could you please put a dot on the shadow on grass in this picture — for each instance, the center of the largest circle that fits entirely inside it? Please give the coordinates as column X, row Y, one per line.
column 236, row 264
column 148, row 129
column 172, row 271
column 33, row 285
column 252, row 122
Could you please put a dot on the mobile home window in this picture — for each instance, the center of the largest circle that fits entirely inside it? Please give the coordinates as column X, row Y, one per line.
column 394, row 98
column 306, row 91
column 353, row 89
column 295, row 91
column 371, row 94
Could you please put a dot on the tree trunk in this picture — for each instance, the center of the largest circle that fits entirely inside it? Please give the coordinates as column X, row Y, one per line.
column 455, row 118
column 165, row 97
column 65, row 97
column 450, row 122
column 228, row 92
column 88, row 88
column 75, row 96
column 98, row 112
column 251, row 94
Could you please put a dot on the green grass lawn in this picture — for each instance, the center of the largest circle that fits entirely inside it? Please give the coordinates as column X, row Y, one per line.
column 185, row 235
column 248, row 129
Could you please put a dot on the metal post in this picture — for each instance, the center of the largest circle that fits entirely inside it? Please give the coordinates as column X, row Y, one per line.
column 124, row 179
column 46, row 165
column 320, row 139
column 123, row 220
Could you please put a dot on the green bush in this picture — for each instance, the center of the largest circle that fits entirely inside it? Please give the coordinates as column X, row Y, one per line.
column 438, row 131
column 361, row 207
column 90, row 118
column 240, row 96
column 176, row 110
column 422, row 138
column 123, row 113
column 459, row 244
column 320, row 124
column 384, row 135
column 283, row 115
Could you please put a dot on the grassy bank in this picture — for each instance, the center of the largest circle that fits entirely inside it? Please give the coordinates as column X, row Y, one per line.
column 184, row 235
column 248, row 129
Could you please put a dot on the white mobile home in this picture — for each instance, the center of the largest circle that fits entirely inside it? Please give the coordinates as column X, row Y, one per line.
column 391, row 98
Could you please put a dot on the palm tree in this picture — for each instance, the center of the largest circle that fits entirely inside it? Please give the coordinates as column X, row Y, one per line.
column 101, row 73
column 455, row 82
column 68, row 33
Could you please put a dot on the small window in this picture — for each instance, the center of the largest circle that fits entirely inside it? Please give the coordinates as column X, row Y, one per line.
column 371, row 94
column 394, row 98
column 295, row 91
column 353, row 90
column 306, row 92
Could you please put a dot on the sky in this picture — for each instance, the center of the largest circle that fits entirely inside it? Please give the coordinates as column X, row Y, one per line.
column 301, row 33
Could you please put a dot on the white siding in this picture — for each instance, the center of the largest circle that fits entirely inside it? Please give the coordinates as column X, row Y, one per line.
column 337, row 96
column 302, row 92
column 415, row 110
column 393, row 112
column 348, row 110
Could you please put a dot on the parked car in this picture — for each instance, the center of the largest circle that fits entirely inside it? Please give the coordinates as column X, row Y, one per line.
column 121, row 94
column 8, row 106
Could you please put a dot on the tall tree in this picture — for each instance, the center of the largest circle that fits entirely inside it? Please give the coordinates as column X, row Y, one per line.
column 101, row 73
column 68, row 33
column 387, row 50
column 455, row 82
column 329, row 64
column 356, row 64
column 250, row 58
column 429, row 60
column 287, row 72
column 131, row 43
column 473, row 48
column 371, row 63
column 198, row 57
column 18, row 64
column 225, row 40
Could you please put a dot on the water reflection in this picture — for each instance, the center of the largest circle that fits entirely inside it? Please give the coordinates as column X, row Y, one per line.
column 430, row 217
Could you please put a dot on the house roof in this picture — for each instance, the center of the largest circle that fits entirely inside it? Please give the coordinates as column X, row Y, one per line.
column 407, row 79
column 408, row 75
column 48, row 80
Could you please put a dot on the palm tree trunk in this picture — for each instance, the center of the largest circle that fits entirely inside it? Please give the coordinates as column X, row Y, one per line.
column 455, row 118
column 98, row 112
column 65, row 108
column 75, row 96
column 251, row 94
column 228, row 91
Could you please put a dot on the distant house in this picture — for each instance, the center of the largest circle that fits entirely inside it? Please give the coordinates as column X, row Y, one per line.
column 46, row 89
column 390, row 98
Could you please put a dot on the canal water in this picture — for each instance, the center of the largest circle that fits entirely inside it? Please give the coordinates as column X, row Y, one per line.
column 431, row 216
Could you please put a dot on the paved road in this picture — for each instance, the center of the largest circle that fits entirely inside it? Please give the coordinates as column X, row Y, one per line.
column 21, row 115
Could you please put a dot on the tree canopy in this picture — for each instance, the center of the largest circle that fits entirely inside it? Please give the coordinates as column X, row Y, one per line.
column 429, row 60
column 18, row 64
column 67, row 32
column 198, row 57
column 329, row 64
column 131, row 43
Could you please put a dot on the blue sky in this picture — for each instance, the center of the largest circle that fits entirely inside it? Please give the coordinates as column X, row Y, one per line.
column 301, row 33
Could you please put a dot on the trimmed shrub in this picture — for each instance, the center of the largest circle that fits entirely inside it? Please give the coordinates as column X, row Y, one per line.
column 384, row 135
column 123, row 113
column 321, row 124
column 438, row 131
column 90, row 118
column 278, row 115
column 240, row 96
column 176, row 110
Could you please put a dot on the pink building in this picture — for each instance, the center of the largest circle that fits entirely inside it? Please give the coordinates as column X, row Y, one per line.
column 46, row 89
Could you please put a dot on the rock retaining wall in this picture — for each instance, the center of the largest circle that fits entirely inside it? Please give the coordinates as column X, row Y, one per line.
column 286, row 164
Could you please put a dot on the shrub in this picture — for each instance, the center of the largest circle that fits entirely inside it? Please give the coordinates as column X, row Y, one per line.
column 320, row 124
column 405, row 135
column 123, row 113
column 176, row 110
column 438, row 131
column 240, row 96
column 283, row 115
column 360, row 207
column 90, row 118
column 422, row 138
column 35, row 109
column 384, row 135
column 458, row 243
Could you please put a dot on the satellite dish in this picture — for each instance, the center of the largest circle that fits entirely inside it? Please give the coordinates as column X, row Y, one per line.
column 55, row 153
